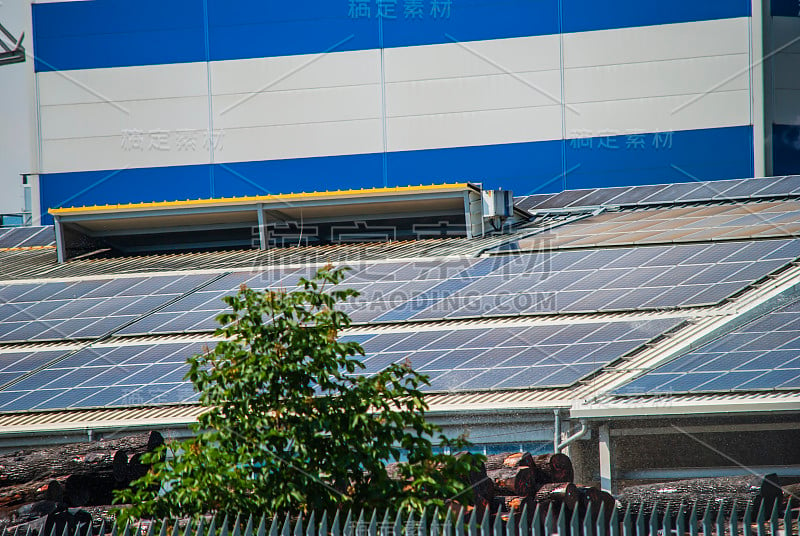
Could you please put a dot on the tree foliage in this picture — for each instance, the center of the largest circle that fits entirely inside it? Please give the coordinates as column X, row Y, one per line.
column 293, row 424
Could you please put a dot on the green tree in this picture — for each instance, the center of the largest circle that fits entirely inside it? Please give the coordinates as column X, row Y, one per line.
column 292, row 424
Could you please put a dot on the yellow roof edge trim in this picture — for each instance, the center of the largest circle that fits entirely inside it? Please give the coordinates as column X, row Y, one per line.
column 262, row 198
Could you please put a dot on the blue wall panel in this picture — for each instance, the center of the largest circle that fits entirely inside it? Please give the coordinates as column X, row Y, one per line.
column 525, row 168
column 703, row 155
column 786, row 149
column 116, row 33
column 113, row 33
column 785, row 8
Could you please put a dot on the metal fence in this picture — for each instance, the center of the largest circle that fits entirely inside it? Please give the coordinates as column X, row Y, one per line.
column 721, row 520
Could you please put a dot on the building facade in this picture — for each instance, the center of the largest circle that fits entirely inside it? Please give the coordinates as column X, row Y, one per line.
column 145, row 101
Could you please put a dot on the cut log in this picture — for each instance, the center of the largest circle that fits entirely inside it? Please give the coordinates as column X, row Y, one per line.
column 508, row 459
column 589, row 496
column 73, row 459
column 558, row 493
column 90, row 490
column 705, row 492
column 481, row 483
column 510, row 502
column 553, row 468
column 514, row 481
column 29, row 492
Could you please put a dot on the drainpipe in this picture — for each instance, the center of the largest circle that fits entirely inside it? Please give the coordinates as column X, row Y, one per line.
column 556, row 430
column 574, row 437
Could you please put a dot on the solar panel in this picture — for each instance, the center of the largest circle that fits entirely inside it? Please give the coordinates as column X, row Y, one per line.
column 84, row 309
column 684, row 275
column 106, row 376
column 18, row 237
column 764, row 354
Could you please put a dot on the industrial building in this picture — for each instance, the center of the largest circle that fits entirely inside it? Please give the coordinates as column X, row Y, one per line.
column 608, row 322
column 153, row 101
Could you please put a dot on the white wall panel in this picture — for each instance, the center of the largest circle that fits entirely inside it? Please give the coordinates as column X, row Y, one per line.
column 657, row 78
column 450, row 60
column 300, row 141
column 122, row 84
column 477, row 93
column 100, row 119
column 305, row 71
column 653, row 43
column 298, row 106
column 658, row 114
column 474, row 128
column 115, row 152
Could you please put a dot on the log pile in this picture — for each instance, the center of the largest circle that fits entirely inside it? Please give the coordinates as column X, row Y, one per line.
column 57, row 481
column 704, row 492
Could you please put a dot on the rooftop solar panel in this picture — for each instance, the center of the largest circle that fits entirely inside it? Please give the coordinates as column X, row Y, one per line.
column 85, row 309
column 18, row 237
column 764, row 354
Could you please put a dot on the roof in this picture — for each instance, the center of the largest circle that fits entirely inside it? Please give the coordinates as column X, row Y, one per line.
column 279, row 199
column 650, row 222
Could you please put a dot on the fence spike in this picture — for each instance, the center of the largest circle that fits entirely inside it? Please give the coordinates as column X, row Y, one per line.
column 613, row 521
column 64, row 532
column 77, row 528
column 707, row 527
column 435, row 522
column 459, row 523
column 600, row 524
column 248, row 529
column 548, row 522
column 627, row 524
column 312, row 524
column 447, row 526
column 347, row 529
column 733, row 520
column 523, row 521
column 373, row 523
column 398, row 524
column 640, row 525
column 693, row 527
column 335, row 526
column 654, row 519
column 536, row 524
column 760, row 519
column 497, row 527
column 262, row 526
column 176, row 530
column 666, row 523
column 4, row 532
column 720, row 521
column 774, row 519
column 188, row 530
column 487, row 513
column 747, row 520
column 102, row 529
column 212, row 526
column 323, row 525
column 472, row 525
column 384, row 524
column 223, row 530
column 575, row 522
column 787, row 517
column 587, row 521
column 422, row 526
column 127, row 531
column 511, row 523
column 298, row 527
column 561, row 521
column 200, row 527
column 410, row 524
column 286, row 530
column 680, row 520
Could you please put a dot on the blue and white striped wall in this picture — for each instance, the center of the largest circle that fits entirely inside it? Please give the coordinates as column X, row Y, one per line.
column 154, row 100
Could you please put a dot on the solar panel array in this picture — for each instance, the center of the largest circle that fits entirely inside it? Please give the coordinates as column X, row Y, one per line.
column 667, row 193
column 562, row 281
column 466, row 359
column 764, row 354
column 105, row 376
column 25, row 237
column 679, row 224
column 84, row 309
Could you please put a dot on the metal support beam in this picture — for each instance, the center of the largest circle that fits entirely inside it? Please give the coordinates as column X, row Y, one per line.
column 60, row 252
column 467, row 216
column 605, row 457
column 262, row 227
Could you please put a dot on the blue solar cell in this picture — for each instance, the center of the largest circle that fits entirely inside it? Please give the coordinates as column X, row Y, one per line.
column 101, row 327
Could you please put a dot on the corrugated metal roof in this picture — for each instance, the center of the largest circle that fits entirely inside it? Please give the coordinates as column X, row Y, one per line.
column 52, row 421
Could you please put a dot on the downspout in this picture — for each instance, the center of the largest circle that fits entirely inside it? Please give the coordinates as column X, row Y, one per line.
column 561, row 445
